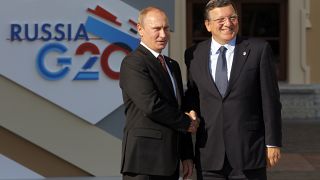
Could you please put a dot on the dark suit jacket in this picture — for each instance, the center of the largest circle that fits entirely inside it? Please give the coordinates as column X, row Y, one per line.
column 248, row 118
column 153, row 141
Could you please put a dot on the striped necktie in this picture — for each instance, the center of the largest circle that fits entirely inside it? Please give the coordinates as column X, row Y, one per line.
column 163, row 64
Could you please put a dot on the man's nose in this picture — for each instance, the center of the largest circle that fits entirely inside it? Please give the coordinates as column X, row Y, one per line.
column 163, row 33
column 227, row 21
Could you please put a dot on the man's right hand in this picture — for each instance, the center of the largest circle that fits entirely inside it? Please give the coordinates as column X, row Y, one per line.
column 194, row 121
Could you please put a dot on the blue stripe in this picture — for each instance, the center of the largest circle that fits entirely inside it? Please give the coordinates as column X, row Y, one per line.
column 110, row 33
column 87, row 76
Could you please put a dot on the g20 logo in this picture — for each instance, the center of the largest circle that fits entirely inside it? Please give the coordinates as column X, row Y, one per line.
column 119, row 40
column 84, row 73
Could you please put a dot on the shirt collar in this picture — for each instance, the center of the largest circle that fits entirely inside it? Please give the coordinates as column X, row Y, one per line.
column 156, row 54
column 215, row 45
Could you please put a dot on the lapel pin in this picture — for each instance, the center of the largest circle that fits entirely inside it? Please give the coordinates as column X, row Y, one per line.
column 244, row 53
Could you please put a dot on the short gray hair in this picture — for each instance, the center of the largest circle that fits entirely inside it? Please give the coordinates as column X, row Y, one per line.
column 144, row 12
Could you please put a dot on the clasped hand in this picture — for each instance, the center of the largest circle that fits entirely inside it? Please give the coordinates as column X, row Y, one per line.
column 194, row 121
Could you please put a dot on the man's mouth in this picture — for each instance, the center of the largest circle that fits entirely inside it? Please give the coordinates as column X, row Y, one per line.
column 228, row 30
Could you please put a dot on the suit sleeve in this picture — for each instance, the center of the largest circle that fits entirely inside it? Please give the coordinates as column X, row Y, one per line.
column 271, row 105
column 186, row 146
column 137, row 83
column 185, row 139
column 191, row 98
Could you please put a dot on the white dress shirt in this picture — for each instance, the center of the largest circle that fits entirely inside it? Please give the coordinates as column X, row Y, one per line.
column 214, row 53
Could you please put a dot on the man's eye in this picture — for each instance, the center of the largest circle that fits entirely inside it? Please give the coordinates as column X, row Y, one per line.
column 220, row 19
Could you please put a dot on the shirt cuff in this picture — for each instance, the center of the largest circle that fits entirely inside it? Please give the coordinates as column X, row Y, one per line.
column 271, row 146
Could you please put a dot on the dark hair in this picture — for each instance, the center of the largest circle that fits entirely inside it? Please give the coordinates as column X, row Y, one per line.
column 217, row 3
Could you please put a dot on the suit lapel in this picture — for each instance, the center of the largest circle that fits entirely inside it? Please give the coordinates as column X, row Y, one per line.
column 241, row 53
column 205, row 63
column 166, row 76
column 177, row 81
column 156, row 66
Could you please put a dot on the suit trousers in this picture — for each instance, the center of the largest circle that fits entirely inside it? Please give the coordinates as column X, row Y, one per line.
column 133, row 176
column 228, row 173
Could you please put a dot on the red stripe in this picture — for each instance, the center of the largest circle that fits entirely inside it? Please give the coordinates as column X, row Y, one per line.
column 104, row 14
column 132, row 22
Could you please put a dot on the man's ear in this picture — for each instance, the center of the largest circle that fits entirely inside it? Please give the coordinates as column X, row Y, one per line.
column 207, row 24
column 140, row 30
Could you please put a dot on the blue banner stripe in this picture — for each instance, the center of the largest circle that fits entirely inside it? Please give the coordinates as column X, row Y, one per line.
column 110, row 33
column 87, row 76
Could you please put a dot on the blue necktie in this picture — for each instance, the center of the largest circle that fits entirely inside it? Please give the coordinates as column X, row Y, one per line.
column 221, row 78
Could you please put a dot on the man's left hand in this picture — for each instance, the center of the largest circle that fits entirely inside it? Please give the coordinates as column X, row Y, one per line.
column 273, row 156
column 187, row 166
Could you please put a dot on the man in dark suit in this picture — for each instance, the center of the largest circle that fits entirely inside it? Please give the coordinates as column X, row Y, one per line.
column 232, row 84
column 156, row 134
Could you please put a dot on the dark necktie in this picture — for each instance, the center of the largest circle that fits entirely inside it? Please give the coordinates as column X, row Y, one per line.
column 221, row 79
column 163, row 64
column 173, row 81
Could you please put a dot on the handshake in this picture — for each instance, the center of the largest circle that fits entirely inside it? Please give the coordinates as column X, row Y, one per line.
column 195, row 121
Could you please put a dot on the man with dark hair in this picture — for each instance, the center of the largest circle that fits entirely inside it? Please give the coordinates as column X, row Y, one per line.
column 233, row 85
